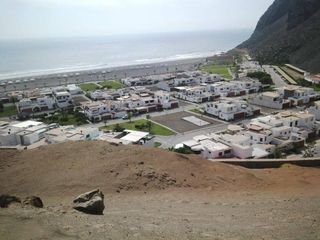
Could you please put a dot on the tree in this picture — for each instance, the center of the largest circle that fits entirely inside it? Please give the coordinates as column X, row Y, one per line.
column 130, row 116
column 277, row 153
column 263, row 77
column 118, row 128
column 309, row 151
column 149, row 125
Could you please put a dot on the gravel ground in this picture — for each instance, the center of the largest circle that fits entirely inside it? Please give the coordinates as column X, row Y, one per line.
column 175, row 122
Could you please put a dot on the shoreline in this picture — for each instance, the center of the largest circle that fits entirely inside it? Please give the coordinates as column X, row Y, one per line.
column 98, row 74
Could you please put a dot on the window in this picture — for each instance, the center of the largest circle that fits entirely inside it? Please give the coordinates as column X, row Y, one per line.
column 227, row 152
column 220, row 154
column 261, row 139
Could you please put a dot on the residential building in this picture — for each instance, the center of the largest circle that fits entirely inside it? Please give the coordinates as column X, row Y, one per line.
column 22, row 133
column 165, row 100
column 315, row 110
column 63, row 99
column 197, row 94
column 230, row 110
column 298, row 95
column 270, row 100
column 29, row 106
column 74, row 89
column 70, row 133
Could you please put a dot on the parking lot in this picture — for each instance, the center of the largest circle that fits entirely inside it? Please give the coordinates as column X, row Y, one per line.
column 175, row 122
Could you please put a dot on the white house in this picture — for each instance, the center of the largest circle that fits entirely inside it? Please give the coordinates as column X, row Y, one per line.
column 298, row 95
column 165, row 100
column 197, row 94
column 63, row 99
column 229, row 110
column 28, row 106
column 100, row 95
column 315, row 110
column 271, row 100
column 97, row 111
column 74, row 89
column 22, row 133
column 214, row 150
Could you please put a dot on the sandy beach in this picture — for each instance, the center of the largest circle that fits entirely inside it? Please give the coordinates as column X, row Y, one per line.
column 95, row 75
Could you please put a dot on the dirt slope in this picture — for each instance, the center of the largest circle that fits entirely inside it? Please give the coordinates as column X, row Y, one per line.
column 163, row 195
column 72, row 168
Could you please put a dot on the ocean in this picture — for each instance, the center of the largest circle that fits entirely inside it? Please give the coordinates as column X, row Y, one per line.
column 41, row 56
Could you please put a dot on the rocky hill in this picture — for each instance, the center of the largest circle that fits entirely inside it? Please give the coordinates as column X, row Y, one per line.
column 289, row 32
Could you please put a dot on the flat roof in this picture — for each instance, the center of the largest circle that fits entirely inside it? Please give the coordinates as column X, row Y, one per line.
column 134, row 136
column 214, row 146
column 190, row 143
column 271, row 94
column 27, row 124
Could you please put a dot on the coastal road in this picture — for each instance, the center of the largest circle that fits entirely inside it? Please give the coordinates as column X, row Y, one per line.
column 277, row 79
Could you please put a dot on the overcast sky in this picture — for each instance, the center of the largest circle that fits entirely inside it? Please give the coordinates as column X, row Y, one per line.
column 67, row 18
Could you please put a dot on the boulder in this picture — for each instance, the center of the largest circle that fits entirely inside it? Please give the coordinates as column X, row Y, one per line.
column 6, row 200
column 90, row 202
column 33, row 201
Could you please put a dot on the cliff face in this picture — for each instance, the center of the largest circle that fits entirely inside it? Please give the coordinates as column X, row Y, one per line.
column 289, row 32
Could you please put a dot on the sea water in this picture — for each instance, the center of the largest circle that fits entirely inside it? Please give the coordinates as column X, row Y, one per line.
column 25, row 57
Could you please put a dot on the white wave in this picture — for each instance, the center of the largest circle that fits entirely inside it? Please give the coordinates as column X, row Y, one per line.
column 85, row 67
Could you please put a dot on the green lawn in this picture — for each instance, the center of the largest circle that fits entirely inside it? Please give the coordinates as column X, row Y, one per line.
column 8, row 111
column 303, row 83
column 111, row 84
column 197, row 110
column 157, row 144
column 66, row 119
column 218, row 69
column 155, row 128
column 88, row 87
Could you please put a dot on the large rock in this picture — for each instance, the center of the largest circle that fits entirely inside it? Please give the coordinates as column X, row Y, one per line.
column 33, row 201
column 6, row 200
column 90, row 202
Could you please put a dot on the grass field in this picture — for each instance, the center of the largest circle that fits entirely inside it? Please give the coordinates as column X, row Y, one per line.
column 222, row 70
column 197, row 110
column 66, row 119
column 8, row 111
column 111, row 84
column 157, row 144
column 88, row 87
column 155, row 128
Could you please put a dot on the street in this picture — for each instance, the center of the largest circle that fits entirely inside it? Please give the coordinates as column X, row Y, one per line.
column 277, row 79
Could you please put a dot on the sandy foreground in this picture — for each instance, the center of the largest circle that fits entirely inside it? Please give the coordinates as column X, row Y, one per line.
column 154, row 194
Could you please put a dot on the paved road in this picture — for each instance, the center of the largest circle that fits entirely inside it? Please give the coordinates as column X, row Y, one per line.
column 171, row 141
column 277, row 79
column 143, row 116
